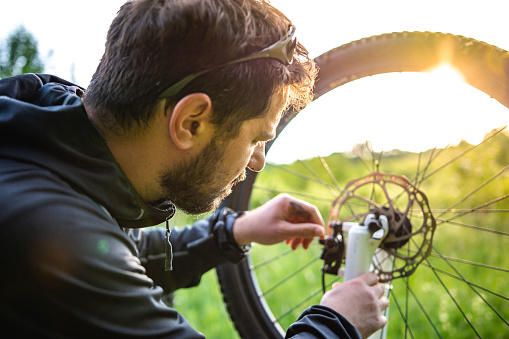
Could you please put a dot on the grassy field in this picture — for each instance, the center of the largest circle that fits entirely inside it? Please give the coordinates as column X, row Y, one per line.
column 437, row 284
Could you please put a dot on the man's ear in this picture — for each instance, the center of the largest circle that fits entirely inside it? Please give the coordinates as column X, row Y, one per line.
column 190, row 121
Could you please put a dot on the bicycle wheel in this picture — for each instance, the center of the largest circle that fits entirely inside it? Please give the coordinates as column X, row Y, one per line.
column 459, row 289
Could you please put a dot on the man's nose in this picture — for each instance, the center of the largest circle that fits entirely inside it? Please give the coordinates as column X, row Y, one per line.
column 257, row 161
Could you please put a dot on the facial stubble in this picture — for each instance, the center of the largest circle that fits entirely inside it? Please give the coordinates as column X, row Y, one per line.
column 192, row 187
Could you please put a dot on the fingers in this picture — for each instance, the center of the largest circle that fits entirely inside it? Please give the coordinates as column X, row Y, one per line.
column 301, row 230
column 306, row 239
column 370, row 278
column 361, row 301
column 382, row 321
column 300, row 234
column 306, row 243
column 302, row 222
column 295, row 242
column 378, row 289
column 383, row 302
column 300, row 211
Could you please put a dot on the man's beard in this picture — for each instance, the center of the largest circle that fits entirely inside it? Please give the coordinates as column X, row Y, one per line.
column 191, row 186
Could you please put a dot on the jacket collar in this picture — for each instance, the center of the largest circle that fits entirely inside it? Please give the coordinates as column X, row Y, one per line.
column 48, row 111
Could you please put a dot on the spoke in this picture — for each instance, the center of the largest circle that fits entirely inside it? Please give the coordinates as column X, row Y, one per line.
column 379, row 161
column 452, row 298
column 300, row 194
column 463, row 261
column 465, row 281
column 298, row 305
column 268, row 261
column 331, row 188
column 475, row 190
column 403, row 316
column 462, row 278
column 373, row 160
column 386, row 258
column 409, row 289
column 440, row 222
column 407, row 296
column 416, row 182
column 478, row 208
column 288, row 277
column 383, row 331
column 459, row 275
column 456, row 223
column 469, row 210
column 369, row 202
column 361, row 158
column 301, row 175
column 479, row 228
column 375, row 166
column 331, row 175
column 432, row 157
column 462, row 154
column 333, row 178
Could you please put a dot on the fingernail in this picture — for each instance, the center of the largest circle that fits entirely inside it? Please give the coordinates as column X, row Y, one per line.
column 318, row 231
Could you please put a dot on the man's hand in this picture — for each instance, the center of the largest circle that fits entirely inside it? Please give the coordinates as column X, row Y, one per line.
column 282, row 218
column 360, row 301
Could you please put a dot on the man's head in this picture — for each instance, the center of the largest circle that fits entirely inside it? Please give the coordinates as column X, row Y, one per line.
column 153, row 44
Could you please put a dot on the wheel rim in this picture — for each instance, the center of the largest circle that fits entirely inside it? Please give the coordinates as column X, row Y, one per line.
column 457, row 290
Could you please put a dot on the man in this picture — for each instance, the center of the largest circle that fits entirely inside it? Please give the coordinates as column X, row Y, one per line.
column 183, row 100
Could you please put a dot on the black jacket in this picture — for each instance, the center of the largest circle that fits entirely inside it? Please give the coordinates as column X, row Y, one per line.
column 70, row 269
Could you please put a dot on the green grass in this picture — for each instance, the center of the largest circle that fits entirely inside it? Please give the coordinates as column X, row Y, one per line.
column 205, row 310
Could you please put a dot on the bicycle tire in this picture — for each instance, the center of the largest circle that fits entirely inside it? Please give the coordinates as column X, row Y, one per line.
column 484, row 66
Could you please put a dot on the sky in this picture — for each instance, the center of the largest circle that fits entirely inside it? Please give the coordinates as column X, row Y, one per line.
column 71, row 38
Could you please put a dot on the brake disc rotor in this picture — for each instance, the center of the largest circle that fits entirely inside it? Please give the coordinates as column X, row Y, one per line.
column 411, row 223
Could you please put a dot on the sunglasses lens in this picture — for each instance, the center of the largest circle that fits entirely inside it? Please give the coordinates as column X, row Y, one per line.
column 282, row 50
column 290, row 49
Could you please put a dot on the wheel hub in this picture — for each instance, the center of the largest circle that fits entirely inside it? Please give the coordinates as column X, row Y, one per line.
column 411, row 223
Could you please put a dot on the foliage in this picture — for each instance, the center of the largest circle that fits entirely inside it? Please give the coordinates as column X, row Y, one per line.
column 19, row 54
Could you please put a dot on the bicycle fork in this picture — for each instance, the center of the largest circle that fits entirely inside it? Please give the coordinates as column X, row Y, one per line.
column 362, row 248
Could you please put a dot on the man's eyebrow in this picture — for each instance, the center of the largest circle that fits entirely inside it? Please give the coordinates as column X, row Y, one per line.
column 267, row 136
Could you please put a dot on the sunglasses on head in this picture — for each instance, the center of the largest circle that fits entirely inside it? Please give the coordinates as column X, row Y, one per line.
column 282, row 50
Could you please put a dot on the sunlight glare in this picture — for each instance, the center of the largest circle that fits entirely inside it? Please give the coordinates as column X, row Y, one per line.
column 406, row 111
column 447, row 73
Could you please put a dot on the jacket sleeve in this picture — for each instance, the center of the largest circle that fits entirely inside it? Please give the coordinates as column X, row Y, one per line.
column 321, row 322
column 196, row 249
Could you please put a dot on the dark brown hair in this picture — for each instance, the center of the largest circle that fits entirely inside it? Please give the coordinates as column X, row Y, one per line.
column 152, row 44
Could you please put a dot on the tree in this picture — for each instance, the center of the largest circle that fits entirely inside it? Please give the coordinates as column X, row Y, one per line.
column 19, row 54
